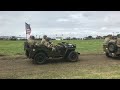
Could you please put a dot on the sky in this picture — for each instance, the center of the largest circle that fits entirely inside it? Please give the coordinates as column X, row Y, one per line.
column 69, row 23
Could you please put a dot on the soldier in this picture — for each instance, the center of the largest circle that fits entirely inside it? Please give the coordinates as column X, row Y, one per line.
column 107, row 39
column 49, row 44
column 31, row 41
column 43, row 39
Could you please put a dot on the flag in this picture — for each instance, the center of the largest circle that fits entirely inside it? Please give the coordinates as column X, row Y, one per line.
column 28, row 28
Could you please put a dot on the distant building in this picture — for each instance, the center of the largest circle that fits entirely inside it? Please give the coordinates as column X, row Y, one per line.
column 99, row 37
column 4, row 37
column 11, row 38
column 20, row 38
column 59, row 38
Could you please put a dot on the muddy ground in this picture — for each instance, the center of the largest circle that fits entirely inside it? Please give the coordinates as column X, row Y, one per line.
column 19, row 67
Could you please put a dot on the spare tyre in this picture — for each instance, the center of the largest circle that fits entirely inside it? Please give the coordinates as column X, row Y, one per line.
column 112, row 47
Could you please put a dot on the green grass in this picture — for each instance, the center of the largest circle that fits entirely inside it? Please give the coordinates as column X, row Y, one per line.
column 86, row 68
column 83, row 46
column 11, row 47
column 87, row 46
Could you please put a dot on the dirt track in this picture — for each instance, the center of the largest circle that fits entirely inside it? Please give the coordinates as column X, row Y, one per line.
column 21, row 67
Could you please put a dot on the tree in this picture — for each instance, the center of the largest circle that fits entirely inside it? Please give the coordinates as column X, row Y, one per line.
column 90, row 37
column 13, row 38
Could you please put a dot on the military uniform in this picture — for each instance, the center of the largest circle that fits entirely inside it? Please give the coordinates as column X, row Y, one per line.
column 31, row 42
column 49, row 44
column 43, row 41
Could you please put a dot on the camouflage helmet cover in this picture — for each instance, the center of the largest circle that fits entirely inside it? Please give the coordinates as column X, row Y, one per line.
column 44, row 36
column 32, row 37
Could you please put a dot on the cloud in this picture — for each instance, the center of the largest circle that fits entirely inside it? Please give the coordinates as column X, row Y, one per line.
column 104, row 28
column 62, row 20
column 78, row 23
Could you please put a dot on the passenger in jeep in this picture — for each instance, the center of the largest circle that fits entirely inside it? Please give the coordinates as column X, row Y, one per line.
column 49, row 44
column 31, row 41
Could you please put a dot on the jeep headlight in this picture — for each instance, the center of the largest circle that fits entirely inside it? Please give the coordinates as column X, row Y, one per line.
column 33, row 49
column 106, row 48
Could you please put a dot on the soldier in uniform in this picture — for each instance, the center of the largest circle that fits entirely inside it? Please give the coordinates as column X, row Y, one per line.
column 31, row 41
column 49, row 44
column 43, row 39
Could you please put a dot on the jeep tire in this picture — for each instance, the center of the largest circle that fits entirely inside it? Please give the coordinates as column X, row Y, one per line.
column 40, row 58
column 73, row 56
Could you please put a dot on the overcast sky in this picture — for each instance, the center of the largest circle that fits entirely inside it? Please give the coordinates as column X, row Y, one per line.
column 68, row 23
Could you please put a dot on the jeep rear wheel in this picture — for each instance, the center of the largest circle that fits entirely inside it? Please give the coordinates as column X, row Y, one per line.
column 73, row 56
column 40, row 58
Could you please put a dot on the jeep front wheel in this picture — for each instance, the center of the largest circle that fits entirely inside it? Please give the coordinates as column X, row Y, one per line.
column 73, row 56
column 40, row 58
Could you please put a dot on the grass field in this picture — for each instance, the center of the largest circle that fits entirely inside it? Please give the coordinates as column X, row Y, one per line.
column 83, row 46
column 88, row 67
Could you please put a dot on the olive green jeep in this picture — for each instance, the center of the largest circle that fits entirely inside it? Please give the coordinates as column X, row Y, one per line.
column 41, row 54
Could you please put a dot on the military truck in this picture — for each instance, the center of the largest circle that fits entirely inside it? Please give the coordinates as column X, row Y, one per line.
column 41, row 54
column 112, row 48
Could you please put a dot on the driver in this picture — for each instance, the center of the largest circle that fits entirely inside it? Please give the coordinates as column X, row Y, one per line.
column 49, row 44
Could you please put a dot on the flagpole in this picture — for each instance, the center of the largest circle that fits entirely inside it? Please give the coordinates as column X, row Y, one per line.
column 26, row 37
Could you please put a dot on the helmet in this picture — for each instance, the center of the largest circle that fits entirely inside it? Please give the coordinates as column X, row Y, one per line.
column 32, row 37
column 44, row 36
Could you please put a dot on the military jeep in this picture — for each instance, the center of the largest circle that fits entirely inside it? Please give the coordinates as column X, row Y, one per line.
column 41, row 54
column 111, row 49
